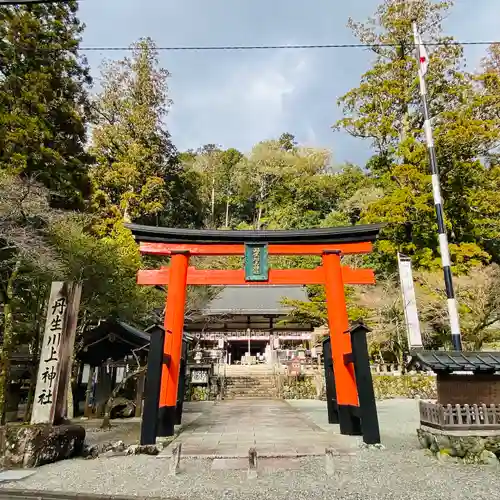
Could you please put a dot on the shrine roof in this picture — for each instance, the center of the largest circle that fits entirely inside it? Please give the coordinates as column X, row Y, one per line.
column 456, row 361
column 254, row 300
column 111, row 340
column 342, row 234
column 115, row 340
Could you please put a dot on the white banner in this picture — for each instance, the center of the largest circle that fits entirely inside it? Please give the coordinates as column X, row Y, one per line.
column 409, row 302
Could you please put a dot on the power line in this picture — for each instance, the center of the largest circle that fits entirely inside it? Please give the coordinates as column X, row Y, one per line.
column 30, row 2
column 270, row 47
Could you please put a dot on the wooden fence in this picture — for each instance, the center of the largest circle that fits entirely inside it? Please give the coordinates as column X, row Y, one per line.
column 460, row 417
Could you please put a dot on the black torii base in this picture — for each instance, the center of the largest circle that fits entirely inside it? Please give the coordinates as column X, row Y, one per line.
column 154, row 422
column 331, row 395
column 354, row 420
column 149, row 425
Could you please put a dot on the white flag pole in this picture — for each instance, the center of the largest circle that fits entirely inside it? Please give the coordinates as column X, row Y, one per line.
column 436, row 191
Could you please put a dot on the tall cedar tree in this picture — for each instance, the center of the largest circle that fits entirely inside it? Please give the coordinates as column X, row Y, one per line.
column 43, row 99
column 137, row 175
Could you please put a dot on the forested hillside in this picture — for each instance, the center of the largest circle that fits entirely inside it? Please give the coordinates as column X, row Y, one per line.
column 75, row 164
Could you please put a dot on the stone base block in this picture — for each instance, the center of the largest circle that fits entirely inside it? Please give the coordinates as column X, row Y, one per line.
column 35, row 445
column 481, row 447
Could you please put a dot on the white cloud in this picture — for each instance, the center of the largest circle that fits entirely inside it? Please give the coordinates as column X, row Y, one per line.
column 244, row 103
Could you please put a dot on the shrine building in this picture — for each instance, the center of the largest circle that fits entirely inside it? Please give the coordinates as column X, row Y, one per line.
column 244, row 318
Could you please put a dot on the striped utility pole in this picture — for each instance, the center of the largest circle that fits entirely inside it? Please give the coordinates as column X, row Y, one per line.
column 423, row 62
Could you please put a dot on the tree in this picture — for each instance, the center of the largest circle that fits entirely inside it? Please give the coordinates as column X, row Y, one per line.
column 43, row 99
column 137, row 174
column 40, row 244
column 218, row 190
column 107, row 269
column 288, row 188
column 385, row 109
column 491, row 63
column 229, row 159
column 382, row 311
column 27, row 262
column 478, row 295
column 287, row 141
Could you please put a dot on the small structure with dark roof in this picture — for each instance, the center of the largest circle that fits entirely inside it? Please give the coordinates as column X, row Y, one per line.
column 112, row 340
column 468, row 390
column 463, row 377
column 110, row 347
column 457, row 361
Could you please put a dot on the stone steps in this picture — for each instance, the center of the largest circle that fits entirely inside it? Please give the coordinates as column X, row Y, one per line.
column 251, row 389
column 249, row 386
column 262, row 386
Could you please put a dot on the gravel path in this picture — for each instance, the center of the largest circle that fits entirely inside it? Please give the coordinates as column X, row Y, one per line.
column 401, row 471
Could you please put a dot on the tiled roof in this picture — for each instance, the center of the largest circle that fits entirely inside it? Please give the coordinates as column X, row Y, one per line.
column 254, row 299
column 455, row 361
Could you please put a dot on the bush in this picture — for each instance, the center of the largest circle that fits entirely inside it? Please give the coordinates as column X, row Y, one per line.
column 385, row 386
column 302, row 387
column 199, row 393
column 404, row 386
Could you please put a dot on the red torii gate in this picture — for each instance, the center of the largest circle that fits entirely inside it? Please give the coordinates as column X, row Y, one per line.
column 159, row 414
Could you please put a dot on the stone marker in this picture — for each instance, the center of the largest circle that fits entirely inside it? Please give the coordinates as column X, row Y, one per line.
column 49, row 405
column 329, row 465
column 252, row 463
column 176, row 458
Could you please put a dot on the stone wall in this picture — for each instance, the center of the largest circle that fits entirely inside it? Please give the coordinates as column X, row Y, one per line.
column 470, row 447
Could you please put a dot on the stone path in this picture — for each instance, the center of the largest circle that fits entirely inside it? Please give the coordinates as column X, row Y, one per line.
column 128, row 430
column 229, row 428
column 401, row 471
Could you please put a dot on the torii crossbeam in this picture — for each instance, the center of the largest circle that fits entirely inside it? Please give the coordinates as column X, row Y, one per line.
column 255, row 247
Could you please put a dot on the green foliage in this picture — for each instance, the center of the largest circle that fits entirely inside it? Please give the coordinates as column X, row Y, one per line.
column 132, row 172
column 137, row 174
column 199, row 393
column 479, row 306
column 385, row 386
column 107, row 268
column 43, row 99
column 405, row 386
column 302, row 387
column 314, row 311
column 215, row 172
column 385, row 108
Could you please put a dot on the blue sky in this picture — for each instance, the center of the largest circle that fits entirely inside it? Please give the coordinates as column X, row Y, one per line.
column 237, row 98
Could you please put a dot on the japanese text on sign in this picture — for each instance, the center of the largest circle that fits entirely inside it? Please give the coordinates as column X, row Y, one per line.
column 49, row 361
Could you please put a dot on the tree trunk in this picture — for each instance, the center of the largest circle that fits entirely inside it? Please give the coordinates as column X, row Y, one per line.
column 213, row 202
column 8, row 339
column 31, row 394
column 227, row 212
column 34, row 373
column 106, row 422
column 259, row 216
column 70, row 403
